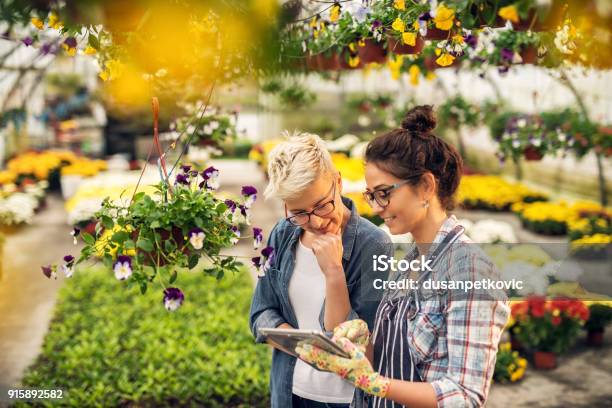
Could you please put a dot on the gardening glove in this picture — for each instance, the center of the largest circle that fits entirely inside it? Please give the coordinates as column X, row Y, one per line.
column 356, row 369
column 355, row 330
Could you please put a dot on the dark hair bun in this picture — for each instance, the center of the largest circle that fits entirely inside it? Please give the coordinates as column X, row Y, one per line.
column 420, row 119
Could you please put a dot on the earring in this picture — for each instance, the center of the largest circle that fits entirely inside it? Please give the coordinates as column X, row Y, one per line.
column 426, row 204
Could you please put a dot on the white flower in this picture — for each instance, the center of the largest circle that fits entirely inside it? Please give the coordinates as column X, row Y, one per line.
column 123, row 267
column 196, row 239
column 68, row 270
column 491, row 231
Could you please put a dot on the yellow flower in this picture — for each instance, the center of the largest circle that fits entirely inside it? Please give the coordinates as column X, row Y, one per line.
column 398, row 25
column 458, row 38
column 444, row 17
column 352, row 47
column 313, row 22
column 509, row 13
column 7, row 177
column 334, row 13
column 38, row 23
column 522, row 362
column 445, row 60
column 361, row 42
column 89, row 50
column 353, row 61
column 105, row 75
column 505, row 346
column 54, row 22
column 409, row 38
column 70, row 51
column 430, row 76
column 414, row 71
column 399, row 4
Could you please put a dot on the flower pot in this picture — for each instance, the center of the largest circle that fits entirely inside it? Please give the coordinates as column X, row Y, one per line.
column 595, row 338
column 397, row 46
column 532, row 154
column 544, row 360
column 90, row 228
column 432, row 65
column 372, row 51
column 436, row 34
column 311, row 63
column 329, row 62
column 529, row 55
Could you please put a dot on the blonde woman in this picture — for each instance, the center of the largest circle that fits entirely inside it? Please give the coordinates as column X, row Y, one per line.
column 316, row 280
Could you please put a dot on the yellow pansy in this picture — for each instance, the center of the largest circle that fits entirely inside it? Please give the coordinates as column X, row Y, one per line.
column 444, row 17
column 398, row 25
column 414, row 71
column 353, row 61
column 54, row 22
column 399, row 4
column 89, row 50
column 104, row 243
column 334, row 13
column 509, row 13
column 361, row 43
column 430, row 76
column 70, row 51
column 38, row 23
column 352, row 47
column 445, row 60
column 409, row 38
column 458, row 38
column 313, row 22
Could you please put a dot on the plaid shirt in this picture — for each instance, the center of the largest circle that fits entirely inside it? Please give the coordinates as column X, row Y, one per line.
column 454, row 339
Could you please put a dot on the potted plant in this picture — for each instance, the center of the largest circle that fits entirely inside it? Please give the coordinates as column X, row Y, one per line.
column 509, row 366
column 600, row 316
column 548, row 327
column 210, row 126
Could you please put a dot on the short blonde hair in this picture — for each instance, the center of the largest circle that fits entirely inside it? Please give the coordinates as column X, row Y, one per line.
column 294, row 164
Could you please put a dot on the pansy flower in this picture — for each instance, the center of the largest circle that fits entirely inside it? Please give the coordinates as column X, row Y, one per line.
column 211, row 179
column 263, row 263
column 250, row 195
column 123, row 267
column 173, row 299
column 185, row 168
column 231, row 205
column 68, row 266
column 27, row 41
column 257, row 237
column 246, row 213
column 75, row 233
column 236, row 237
column 49, row 271
column 196, row 238
column 182, row 179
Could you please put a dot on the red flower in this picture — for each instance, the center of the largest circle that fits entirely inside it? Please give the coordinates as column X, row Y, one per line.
column 537, row 305
column 556, row 320
column 519, row 310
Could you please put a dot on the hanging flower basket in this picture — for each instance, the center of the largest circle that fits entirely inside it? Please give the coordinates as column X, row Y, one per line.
column 532, row 154
column 312, row 63
column 529, row 55
column 372, row 51
column 545, row 360
column 329, row 62
column 397, row 46
column 434, row 33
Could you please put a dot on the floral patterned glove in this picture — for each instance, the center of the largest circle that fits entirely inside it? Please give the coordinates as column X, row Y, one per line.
column 356, row 369
column 354, row 330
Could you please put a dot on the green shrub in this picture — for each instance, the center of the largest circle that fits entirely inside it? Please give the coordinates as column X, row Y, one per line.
column 109, row 346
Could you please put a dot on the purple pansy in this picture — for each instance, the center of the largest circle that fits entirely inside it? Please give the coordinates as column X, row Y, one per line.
column 75, row 233
column 123, row 267
column 471, row 40
column 211, row 178
column 28, row 41
column 49, row 272
column 257, row 237
column 185, row 168
column 68, row 267
column 173, row 299
column 71, row 42
column 250, row 195
column 231, row 205
column 236, row 237
column 182, row 179
column 507, row 54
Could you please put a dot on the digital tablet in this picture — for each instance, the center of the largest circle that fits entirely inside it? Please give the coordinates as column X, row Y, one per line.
column 288, row 339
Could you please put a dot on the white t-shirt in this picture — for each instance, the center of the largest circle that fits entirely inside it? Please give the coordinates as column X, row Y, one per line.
column 306, row 294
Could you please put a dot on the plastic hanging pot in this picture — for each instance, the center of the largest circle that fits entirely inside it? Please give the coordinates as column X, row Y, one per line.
column 529, row 55
column 545, row 360
column 397, row 46
column 532, row 154
column 329, row 62
column 372, row 51
column 436, row 34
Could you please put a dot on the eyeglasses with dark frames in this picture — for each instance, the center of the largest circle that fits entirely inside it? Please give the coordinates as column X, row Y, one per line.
column 320, row 210
column 382, row 196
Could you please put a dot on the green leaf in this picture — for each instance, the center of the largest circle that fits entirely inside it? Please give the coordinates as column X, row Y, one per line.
column 120, row 237
column 88, row 238
column 145, row 244
column 129, row 244
column 107, row 222
column 193, row 261
column 143, row 287
column 173, row 277
column 93, row 41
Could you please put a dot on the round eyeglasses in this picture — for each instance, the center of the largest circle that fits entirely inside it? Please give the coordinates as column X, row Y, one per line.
column 320, row 210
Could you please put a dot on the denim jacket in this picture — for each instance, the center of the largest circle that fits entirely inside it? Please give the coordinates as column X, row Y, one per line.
column 271, row 307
